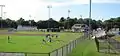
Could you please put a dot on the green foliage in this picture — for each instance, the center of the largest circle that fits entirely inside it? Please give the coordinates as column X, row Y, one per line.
column 112, row 23
column 48, row 24
column 67, row 23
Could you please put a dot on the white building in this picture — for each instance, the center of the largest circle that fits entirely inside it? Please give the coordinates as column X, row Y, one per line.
column 99, row 32
column 20, row 27
column 114, row 31
column 79, row 27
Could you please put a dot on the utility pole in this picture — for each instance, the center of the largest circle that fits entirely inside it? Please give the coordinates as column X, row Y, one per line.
column 49, row 7
column 1, row 13
column 90, row 17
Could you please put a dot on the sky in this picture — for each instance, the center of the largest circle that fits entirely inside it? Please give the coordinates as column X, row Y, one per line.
column 37, row 9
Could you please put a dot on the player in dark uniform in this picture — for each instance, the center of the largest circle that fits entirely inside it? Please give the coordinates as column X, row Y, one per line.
column 50, row 40
column 56, row 36
column 8, row 39
column 44, row 41
column 47, row 35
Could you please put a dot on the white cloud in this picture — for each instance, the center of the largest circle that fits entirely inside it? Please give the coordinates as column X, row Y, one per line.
column 66, row 3
column 106, row 1
column 38, row 8
column 74, row 2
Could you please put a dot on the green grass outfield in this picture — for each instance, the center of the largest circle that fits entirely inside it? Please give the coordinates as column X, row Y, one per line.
column 87, row 48
column 33, row 44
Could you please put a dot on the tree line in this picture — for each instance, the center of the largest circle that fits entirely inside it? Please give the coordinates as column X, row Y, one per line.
column 112, row 23
column 67, row 23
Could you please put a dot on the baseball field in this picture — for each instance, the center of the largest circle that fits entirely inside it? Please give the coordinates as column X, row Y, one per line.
column 31, row 42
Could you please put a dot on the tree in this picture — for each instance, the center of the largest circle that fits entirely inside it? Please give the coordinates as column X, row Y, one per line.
column 9, row 22
column 14, row 24
column 70, row 22
column 32, row 23
column 75, row 19
column 3, row 24
column 94, row 24
column 86, row 21
column 80, row 21
column 25, row 23
column 62, row 19
column 44, row 24
column 20, row 21
column 112, row 23
column 99, row 23
column 62, row 22
column 52, row 23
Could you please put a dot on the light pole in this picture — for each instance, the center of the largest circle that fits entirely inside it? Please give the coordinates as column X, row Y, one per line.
column 90, row 17
column 68, row 17
column 49, row 7
column 81, row 16
column 30, row 21
column 5, row 15
column 1, row 13
column 69, row 13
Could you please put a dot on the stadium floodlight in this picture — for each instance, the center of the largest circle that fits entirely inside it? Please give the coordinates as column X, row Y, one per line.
column 81, row 16
column 49, row 7
column 30, row 21
column 69, row 13
column 2, row 9
column 1, row 13
column 5, row 15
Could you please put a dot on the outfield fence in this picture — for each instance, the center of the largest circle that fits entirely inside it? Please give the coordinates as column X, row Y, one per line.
column 109, row 45
column 62, row 51
column 65, row 50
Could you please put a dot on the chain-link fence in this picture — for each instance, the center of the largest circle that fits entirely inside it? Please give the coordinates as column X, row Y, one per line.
column 108, row 45
column 65, row 50
column 22, row 54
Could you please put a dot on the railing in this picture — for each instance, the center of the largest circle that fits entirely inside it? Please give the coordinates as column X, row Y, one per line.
column 62, row 51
